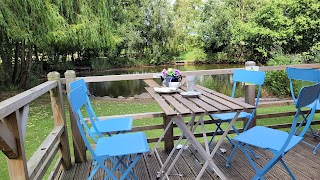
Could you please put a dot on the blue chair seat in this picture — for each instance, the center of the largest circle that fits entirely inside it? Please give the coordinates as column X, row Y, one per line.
column 230, row 116
column 273, row 141
column 113, row 125
column 122, row 144
column 311, row 105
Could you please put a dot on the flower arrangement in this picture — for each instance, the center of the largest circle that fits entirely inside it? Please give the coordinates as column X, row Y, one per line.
column 174, row 74
column 170, row 75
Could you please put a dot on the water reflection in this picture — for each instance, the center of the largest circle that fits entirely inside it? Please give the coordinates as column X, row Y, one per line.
column 220, row 83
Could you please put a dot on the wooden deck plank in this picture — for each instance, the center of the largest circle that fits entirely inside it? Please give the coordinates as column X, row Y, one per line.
column 194, row 164
column 140, row 169
column 238, row 170
column 301, row 161
column 278, row 169
column 164, row 155
column 152, row 165
column 182, row 167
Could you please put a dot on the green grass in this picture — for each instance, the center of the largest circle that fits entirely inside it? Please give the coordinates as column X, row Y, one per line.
column 40, row 121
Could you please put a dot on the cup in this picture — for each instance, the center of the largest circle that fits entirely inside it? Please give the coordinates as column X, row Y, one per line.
column 174, row 85
column 191, row 83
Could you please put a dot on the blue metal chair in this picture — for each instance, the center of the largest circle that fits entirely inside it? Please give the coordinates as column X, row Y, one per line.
column 240, row 76
column 108, row 126
column 115, row 148
column 277, row 141
column 306, row 75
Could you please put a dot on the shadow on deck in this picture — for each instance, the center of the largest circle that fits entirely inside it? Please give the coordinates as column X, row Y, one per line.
column 303, row 163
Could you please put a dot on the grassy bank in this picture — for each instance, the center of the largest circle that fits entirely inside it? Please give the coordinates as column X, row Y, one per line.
column 40, row 121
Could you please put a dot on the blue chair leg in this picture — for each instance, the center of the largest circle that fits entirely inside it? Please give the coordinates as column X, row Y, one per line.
column 313, row 133
column 288, row 170
column 109, row 172
column 260, row 174
column 247, row 146
column 254, row 166
column 315, row 149
column 126, row 167
column 232, row 153
column 215, row 133
column 135, row 160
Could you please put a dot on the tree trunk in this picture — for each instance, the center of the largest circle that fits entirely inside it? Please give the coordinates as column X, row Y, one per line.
column 6, row 56
column 28, row 65
column 37, row 61
column 23, row 61
column 16, row 62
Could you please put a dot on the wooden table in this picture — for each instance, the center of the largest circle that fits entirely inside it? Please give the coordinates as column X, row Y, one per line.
column 176, row 107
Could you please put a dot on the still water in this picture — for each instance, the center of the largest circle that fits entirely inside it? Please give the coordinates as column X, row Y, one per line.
column 136, row 87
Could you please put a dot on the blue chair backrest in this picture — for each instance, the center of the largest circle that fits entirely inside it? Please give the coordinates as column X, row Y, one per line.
column 80, row 104
column 301, row 74
column 73, row 85
column 307, row 95
column 245, row 76
column 77, row 101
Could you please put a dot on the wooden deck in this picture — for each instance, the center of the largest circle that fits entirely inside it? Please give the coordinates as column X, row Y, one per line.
column 302, row 162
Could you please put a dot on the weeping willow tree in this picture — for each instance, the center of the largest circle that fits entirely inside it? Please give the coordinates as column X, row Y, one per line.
column 31, row 30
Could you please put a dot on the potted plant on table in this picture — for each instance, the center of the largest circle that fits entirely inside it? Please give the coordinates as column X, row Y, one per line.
column 170, row 75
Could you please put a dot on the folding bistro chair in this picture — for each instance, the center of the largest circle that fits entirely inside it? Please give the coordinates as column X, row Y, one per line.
column 108, row 126
column 115, row 148
column 277, row 141
column 306, row 75
column 240, row 76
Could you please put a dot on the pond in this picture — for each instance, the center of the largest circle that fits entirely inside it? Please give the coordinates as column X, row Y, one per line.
column 135, row 87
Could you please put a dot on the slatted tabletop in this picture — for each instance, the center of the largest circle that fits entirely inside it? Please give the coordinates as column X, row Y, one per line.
column 208, row 102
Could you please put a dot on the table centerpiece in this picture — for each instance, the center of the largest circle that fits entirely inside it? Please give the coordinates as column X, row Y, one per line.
column 170, row 75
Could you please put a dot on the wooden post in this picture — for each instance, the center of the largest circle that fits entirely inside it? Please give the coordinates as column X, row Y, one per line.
column 250, row 97
column 168, row 137
column 79, row 147
column 17, row 167
column 59, row 117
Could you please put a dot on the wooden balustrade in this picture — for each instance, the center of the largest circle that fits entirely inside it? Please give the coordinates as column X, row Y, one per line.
column 14, row 116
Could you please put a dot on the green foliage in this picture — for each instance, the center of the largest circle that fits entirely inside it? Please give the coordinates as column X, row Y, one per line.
column 291, row 25
column 196, row 54
column 277, row 82
column 220, row 57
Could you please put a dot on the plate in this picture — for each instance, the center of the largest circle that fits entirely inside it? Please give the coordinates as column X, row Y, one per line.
column 190, row 93
column 165, row 90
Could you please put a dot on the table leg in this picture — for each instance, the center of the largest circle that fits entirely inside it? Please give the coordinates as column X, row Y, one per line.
column 161, row 137
column 221, row 175
column 163, row 165
column 204, row 133
column 182, row 148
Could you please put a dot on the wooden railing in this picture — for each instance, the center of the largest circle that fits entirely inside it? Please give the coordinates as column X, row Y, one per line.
column 14, row 116
column 13, row 123
column 79, row 149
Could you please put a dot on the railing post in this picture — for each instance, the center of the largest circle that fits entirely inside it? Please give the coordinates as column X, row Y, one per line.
column 17, row 168
column 168, row 137
column 78, row 144
column 250, row 97
column 59, row 117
